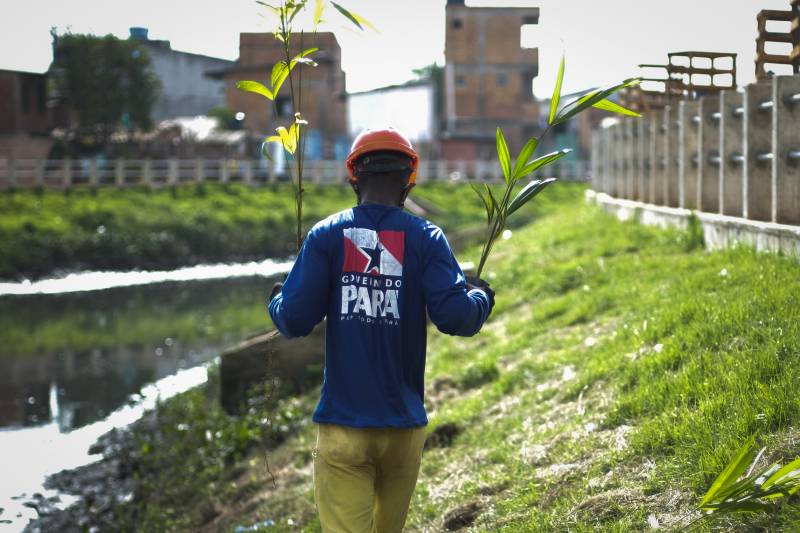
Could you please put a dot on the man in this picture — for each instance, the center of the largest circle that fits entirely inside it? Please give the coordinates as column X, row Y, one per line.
column 374, row 270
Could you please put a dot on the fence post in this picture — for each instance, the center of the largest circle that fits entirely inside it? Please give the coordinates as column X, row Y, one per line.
column 39, row 172
column 172, row 172
column 94, row 177
column 631, row 154
column 708, row 154
column 671, row 183
column 119, row 172
column 757, row 191
column 223, row 170
column 66, row 173
column 617, row 160
column 147, row 172
column 608, row 161
column 642, row 149
column 595, row 163
column 688, row 152
column 199, row 174
column 660, row 158
column 731, row 150
column 786, row 149
column 652, row 159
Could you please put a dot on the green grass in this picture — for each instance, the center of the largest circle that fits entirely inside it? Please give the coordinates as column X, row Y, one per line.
column 622, row 369
column 42, row 232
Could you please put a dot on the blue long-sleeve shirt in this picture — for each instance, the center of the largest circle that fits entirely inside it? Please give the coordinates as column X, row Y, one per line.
column 373, row 270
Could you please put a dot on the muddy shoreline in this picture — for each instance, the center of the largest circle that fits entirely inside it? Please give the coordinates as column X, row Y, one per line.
column 100, row 486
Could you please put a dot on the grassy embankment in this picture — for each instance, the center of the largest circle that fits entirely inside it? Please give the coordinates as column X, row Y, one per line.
column 43, row 232
column 121, row 229
column 621, row 370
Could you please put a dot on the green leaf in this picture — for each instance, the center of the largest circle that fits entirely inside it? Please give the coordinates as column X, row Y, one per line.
column 732, row 472
column 319, row 8
column 542, row 161
column 287, row 138
column 608, row 105
column 354, row 18
column 790, row 471
column 279, row 74
column 277, row 71
column 556, row 92
column 494, row 207
column 748, row 506
column 274, row 9
column 255, row 87
column 523, row 157
column 301, row 58
column 527, row 193
column 485, row 201
column 591, row 98
column 503, row 155
column 295, row 10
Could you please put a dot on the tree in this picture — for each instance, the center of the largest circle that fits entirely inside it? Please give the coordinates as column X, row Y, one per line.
column 104, row 82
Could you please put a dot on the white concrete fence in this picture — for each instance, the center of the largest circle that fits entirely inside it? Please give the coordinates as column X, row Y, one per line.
column 735, row 154
column 69, row 173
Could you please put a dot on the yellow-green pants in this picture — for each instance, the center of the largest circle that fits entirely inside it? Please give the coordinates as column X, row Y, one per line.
column 364, row 477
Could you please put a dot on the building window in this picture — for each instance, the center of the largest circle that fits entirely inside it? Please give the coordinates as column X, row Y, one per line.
column 460, row 81
column 502, row 79
column 456, row 24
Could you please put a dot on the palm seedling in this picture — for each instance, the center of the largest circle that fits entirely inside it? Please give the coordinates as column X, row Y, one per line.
column 756, row 490
column 498, row 209
column 290, row 68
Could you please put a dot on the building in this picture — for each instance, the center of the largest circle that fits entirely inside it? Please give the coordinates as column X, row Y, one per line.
column 409, row 107
column 488, row 80
column 323, row 92
column 186, row 90
column 25, row 119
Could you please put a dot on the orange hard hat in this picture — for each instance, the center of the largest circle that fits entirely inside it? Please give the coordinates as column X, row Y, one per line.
column 383, row 140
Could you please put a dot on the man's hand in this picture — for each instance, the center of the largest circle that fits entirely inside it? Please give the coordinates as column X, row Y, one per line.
column 478, row 283
column 276, row 289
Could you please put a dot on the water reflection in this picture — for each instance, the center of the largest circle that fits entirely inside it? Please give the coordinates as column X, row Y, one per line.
column 96, row 349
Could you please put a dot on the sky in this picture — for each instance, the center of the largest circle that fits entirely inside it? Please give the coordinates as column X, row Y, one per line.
column 603, row 41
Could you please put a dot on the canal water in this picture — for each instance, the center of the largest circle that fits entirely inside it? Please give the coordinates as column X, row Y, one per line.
column 89, row 352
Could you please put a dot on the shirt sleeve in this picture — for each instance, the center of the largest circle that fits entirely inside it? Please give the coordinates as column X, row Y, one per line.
column 303, row 301
column 452, row 308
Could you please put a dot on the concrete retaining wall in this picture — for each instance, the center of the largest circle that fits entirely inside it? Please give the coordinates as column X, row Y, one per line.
column 719, row 231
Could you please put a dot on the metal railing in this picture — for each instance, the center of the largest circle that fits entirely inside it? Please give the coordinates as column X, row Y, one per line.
column 70, row 173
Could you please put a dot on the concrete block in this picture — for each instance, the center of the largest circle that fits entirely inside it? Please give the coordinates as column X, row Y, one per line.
column 757, row 192
column 709, row 158
column 786, row 147
column 671, row 178
column 688, row 149
column 731, row 149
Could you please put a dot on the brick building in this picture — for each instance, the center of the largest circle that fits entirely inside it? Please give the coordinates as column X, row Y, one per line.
column 323, row 92
column 25, row 120
column 488, row 80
